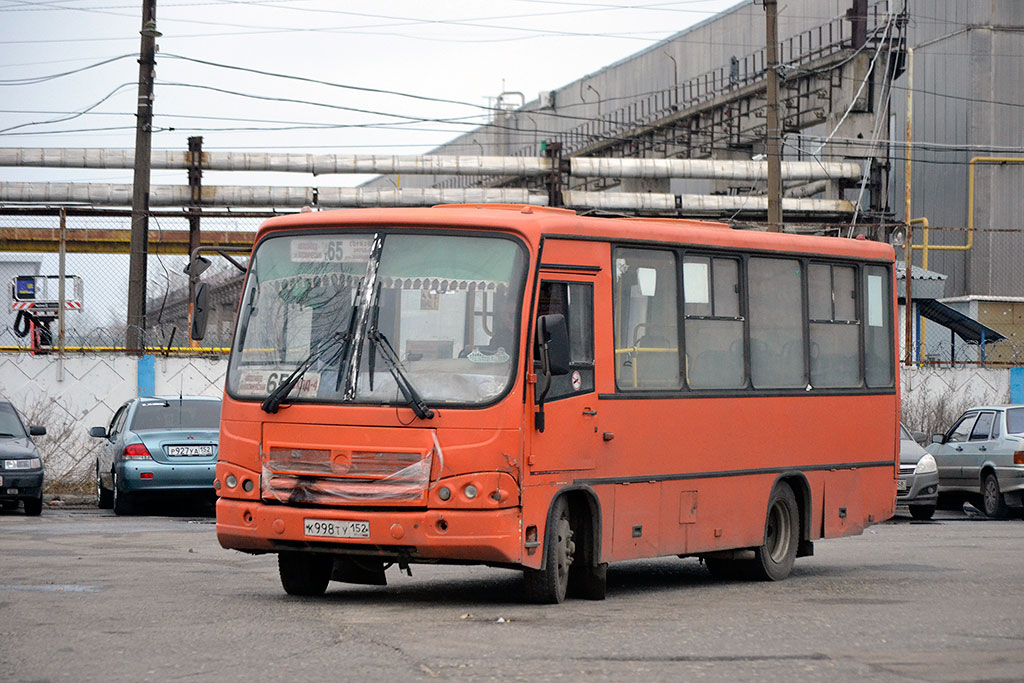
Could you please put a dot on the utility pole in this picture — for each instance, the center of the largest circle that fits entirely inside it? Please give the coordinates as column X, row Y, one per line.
column 773, row 133
column 195, row 183
column 135, row 341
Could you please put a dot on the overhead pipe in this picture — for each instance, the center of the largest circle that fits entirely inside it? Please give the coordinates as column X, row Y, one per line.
column 316, row 164
column 98, row 194
column 329, row 164
column 710, row 169
column 698, row 203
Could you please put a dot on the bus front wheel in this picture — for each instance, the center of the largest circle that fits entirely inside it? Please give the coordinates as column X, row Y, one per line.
column 304, row 574
column 549, row 585
column 774, row 558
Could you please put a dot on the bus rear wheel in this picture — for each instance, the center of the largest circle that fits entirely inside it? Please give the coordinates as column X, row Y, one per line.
column 548, row 586
column 305, row 574
column 773, row 559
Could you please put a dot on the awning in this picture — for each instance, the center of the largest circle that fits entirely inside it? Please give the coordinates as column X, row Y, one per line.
column 967, row 328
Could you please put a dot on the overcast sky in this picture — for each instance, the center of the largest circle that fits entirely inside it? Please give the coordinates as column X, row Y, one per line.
column 461, row 50
column 465, row 51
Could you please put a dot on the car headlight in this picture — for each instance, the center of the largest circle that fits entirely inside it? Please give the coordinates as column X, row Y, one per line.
column 926, row 465
column 23, row 464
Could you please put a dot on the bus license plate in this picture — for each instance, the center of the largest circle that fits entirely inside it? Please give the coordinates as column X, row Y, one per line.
column 189, row 450
column 332, row 528
column 901, row 484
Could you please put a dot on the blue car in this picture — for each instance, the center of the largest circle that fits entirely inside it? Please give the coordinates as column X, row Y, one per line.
column 157, row 446
column 21, row 468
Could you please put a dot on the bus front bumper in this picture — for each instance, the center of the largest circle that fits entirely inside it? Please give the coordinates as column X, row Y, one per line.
column 485, row 536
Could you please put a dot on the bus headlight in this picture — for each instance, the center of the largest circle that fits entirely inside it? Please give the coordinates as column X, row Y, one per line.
column 926, row 465
column 476, row 491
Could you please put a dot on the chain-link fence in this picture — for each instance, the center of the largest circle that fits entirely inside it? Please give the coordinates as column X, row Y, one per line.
column 973, row 275
column 96, row 268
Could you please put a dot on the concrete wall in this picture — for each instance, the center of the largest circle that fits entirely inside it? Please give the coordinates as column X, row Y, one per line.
column 85, row 391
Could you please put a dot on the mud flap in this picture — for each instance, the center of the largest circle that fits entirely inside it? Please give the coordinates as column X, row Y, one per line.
column 366, row 572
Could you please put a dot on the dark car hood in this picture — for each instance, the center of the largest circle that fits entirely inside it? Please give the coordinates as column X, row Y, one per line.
column 17, row 448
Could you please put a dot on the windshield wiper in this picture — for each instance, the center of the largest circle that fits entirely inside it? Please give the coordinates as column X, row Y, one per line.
column 394, row 364
column 349, row 366
column 272, row 402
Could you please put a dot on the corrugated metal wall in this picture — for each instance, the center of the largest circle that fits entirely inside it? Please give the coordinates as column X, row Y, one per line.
column 969, row 56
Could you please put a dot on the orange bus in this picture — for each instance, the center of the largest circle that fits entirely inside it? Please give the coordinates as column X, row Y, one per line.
column 527, row 388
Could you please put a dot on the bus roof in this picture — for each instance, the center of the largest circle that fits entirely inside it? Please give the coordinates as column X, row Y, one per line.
column 533, row 222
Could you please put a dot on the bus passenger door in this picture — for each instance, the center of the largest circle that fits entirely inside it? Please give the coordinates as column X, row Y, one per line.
column 570, row 438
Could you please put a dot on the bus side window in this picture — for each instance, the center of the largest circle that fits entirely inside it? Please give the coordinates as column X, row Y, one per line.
column 878, row 342
column 835, row 329
column 776, row 323
column 646, row 320
column 575, row 301
column 713, row 324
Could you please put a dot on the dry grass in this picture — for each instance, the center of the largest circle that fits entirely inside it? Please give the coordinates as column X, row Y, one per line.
column 67, row 452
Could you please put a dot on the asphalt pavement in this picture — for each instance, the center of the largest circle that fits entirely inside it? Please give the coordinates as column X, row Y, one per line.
column 87, row 596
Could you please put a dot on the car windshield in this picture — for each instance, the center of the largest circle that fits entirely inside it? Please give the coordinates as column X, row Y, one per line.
column 1015, row 421
column 320, row 311
column 176, row 414
column 10, row 423
column 904, row 434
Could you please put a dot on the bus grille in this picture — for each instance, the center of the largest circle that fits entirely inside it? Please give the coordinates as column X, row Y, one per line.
column 326, row 477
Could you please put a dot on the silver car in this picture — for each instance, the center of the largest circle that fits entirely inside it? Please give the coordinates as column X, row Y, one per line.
column 983, row 454
column 918, row 484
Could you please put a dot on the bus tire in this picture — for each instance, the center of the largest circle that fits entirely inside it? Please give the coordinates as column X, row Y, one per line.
column 774, row 558
column 305, row 574
column 549, row 585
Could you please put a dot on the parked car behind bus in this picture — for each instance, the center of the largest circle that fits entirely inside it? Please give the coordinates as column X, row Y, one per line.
column 982, row 454
column 157, row 446
column 21, row 468
column 918, row 485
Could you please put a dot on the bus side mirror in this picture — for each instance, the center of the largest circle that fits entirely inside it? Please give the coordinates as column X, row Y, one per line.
column 200, row 311
column 553, row 339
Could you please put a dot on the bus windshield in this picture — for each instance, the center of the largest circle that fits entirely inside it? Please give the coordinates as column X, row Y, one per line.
column 326, row 310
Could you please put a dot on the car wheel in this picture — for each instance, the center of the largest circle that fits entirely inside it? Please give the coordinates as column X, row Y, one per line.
column 992, row 498
column 305, row 574
column 774, row 558
column 922, row 512
column 548, row 586
column 34, row 506
column 121, row 501
column 104, row 496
